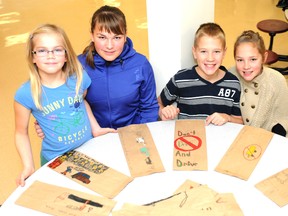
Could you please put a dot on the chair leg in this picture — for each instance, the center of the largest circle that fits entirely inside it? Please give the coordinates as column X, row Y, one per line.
column 283, row 58
column 271, row 41
column 283, row 71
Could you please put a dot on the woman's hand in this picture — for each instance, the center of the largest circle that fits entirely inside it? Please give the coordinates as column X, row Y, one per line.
column 38, row 130
column 102, row 131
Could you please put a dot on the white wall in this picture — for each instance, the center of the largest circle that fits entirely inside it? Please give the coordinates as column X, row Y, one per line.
column 171, row 28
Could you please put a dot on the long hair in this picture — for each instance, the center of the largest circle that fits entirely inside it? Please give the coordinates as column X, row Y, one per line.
column 71, row 67
column 110, row 19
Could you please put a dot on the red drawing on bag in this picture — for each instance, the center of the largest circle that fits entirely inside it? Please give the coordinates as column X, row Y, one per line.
column 187, row 143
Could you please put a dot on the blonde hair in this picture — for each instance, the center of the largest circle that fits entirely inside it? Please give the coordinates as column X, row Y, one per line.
column 250, row 36
column 110, row 19
column 71, row 67
column 210, row 30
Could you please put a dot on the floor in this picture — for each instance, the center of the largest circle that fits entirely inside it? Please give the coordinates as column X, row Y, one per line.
column 16, row 17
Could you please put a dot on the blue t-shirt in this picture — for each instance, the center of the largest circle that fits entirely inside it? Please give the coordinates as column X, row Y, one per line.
column 64, row 118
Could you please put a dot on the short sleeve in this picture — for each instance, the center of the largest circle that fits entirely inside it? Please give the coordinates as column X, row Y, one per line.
column 23, row 96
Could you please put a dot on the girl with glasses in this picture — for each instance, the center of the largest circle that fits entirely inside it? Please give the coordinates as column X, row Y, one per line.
column 54, row 95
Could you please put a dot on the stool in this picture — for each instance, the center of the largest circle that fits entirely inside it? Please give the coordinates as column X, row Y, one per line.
column 273, row 27
column 271, row 58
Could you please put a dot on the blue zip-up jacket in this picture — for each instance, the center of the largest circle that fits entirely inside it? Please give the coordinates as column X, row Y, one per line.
column 122, row 92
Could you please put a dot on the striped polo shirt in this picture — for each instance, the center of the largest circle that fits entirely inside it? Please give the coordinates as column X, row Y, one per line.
column 197, row 98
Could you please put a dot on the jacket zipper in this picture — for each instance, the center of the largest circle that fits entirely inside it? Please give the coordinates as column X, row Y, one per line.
column 108, row 94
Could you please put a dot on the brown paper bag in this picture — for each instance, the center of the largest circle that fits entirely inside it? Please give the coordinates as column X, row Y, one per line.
column 197, row 201
column 197, row 198
column 276, row 187
column 228, row 204
column 190, row 152
column 55, row 200
column 187, row 185
column 140, row 150
column 133, row 210
column 90, row 173
column 245, row 152
column 225, row 203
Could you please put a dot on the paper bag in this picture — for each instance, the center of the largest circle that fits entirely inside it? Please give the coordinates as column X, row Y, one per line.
column 276, row 187
column 90, row 173
column 190, row 152
column 55, row 200
column 245, row 152
column 140, row 150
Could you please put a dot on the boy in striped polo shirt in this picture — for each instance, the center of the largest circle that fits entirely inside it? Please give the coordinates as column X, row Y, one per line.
column 208, row 90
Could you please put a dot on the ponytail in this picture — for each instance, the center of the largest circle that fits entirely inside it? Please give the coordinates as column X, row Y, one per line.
column 90, row 51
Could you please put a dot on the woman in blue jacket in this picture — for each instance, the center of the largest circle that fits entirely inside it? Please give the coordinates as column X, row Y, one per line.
column 123, row 89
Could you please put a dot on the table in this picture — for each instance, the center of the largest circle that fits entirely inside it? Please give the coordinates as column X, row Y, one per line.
column 108, row 150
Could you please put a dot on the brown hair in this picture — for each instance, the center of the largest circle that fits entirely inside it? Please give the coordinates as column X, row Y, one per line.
column 110, row 19
column 211, row 30
column 251, row 37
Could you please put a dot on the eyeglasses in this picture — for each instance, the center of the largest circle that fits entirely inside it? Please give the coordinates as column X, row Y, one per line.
column 45, row 52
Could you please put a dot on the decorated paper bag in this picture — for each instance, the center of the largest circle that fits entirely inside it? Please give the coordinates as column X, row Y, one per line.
column 55, row 200
column 187, row 185
column 225, row 203
column 228, row 204
column 197, row 198
column 140, row 150
column 90, row 173
column 190, row 151
column 245, row 152
column 202, row 198
column 133, row 210
column 198, row 201
column 276, row 187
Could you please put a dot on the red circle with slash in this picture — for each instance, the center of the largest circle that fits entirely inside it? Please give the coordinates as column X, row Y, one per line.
column 186, row 141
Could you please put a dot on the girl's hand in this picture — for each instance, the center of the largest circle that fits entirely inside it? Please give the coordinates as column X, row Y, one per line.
column 20, row 181
column 102, row 131
column 218, row 119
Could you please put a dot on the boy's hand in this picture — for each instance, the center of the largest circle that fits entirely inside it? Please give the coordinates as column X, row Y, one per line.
column 169, row 112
